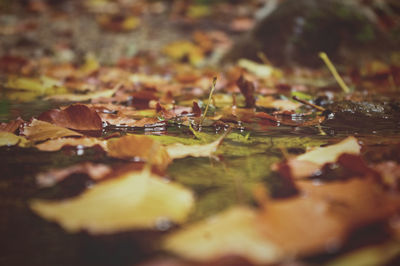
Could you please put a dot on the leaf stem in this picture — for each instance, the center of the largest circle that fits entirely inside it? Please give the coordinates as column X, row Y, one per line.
column 334, row 72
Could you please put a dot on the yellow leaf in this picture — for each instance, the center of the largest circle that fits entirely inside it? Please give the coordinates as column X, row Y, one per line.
column 178, row 150
column 181, row 49
column 39, row 130
column 135, row 200
column 10, row 139
column 83, row 97
column 57, row 144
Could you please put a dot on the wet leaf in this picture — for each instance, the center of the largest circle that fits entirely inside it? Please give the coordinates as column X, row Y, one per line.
column 134, row 200
column 57, row 144
column 39, row 130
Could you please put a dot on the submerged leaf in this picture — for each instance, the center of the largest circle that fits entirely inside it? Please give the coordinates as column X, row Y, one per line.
column 135, row 200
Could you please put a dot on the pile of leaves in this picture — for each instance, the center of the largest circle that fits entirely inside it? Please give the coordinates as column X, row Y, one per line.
column 246, row 163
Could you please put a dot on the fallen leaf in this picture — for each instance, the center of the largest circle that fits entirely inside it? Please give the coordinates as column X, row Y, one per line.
column 247, row 89
column 39, row 130
column 232, row 232
column 94, row 171
column 76, row 116
column 325, row 214
column 10, row 139
column 180, row 50
column 139, row 147
column 135, row 200
column 308, row 163
column 178, row 150
column 11, row 126
column 73, row 97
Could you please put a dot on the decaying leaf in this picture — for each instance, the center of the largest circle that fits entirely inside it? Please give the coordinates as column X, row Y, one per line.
column 40, row 130
column 232, row 232
column 247, row 89
column 77, row 116
column 57, row 144
column 135, row 200
column 10, row 139
column 94, row 171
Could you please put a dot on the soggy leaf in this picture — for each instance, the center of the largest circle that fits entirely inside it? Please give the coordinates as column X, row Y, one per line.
column 135, row 200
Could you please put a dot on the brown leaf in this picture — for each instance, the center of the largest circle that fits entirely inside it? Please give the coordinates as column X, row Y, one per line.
column 247, row 89
column 11, row 126
column 76, row 116
column 39, row 130
column 326, row 214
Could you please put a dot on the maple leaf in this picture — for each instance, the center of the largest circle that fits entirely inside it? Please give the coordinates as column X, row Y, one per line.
column 134, row 200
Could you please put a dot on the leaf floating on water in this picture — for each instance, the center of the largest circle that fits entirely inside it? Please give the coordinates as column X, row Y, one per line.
column 10, row 139
column 178, row 150
column 77, row 116
column 40, row 130
column 232, row 232
column 84, row 97
column 135, row 200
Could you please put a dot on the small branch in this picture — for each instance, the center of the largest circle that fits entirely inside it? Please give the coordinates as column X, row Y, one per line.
column 319, row 108
column 334, row 72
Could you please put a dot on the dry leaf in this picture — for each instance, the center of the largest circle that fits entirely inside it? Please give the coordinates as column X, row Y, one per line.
column 11, row 126
column 39, row 130
column 135, row 200
column 83, row 97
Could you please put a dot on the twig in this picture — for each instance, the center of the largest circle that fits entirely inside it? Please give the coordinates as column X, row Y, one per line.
column 319, row 108
column 334, row 72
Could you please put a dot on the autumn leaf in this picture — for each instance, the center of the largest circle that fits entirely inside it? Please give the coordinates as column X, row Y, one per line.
column 38, row 130
column 134, row 200
column 10, row 139
column 11, row 126
column 76, row 116
column 232, row 232
column 139, row 147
